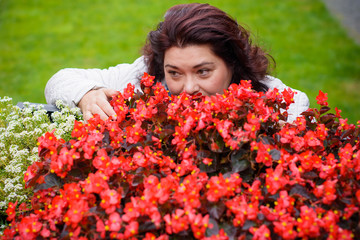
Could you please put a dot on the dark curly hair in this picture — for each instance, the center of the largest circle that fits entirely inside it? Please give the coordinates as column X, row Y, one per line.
column 193, row 24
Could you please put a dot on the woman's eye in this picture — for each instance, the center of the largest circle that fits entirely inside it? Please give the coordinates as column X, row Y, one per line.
column 203, row 72
column 174, row 74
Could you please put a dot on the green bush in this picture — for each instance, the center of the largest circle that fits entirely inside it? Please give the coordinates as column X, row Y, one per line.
column 196, row 167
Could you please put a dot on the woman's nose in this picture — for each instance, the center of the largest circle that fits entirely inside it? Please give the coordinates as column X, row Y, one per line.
column 191, row 86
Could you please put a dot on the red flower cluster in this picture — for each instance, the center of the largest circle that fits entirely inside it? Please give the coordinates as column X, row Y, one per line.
column 197, row 167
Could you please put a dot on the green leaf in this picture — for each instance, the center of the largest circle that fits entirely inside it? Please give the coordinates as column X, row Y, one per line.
column 248, row 175
column 267, row 140
column 214, row 230
column 309, row 113
column 248, row 224
column 203, row 154
column 125, row 189
column 240, row 166
column 330, row 123
column 237, row 155
column 106, row 139
column 275, row 154
column 219, row 141
column 237, row 163
column 324, row 109
column 297, row 189
column 51, row 180
column 147, row 226
column 64, row 232
column 356, row 132
column 230, row 230
column 138, row 179
column 327, row 117
column 208, row 169
column 216, row 210
column 310, row 175
column 346, row 133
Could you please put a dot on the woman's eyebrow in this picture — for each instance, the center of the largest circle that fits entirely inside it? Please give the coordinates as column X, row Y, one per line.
column 196, row 66
column 203, row 64
column 172, row 66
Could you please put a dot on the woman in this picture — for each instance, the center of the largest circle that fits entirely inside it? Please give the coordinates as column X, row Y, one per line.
column 197, row 48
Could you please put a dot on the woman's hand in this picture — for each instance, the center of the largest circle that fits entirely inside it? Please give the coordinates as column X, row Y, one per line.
column 97, row 102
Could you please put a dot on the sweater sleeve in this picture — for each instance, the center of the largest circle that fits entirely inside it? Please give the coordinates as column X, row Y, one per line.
column 71, row 84
column 301, row 101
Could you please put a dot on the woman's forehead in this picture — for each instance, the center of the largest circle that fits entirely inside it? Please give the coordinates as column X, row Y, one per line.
column 193, row 55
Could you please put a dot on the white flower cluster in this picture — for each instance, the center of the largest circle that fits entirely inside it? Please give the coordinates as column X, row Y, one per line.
column 19, row 131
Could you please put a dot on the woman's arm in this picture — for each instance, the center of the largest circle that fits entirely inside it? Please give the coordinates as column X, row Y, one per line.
column 90, row 89
column 301, row 101
column 300, row 105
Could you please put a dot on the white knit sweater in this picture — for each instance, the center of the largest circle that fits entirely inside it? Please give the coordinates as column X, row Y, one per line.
column 71, row 84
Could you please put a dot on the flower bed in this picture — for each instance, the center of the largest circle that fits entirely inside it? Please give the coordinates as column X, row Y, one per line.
column 19, row 131
column 193, row 167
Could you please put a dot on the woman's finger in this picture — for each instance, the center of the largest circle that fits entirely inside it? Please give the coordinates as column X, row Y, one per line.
column 96, row 109
column 87, row 115
column 106, row 108
column 109, row 92
column 96, row 102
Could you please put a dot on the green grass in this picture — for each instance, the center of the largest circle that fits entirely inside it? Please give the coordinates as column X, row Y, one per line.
column 39, row 37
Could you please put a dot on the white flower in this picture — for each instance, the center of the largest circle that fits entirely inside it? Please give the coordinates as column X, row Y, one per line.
column 19, row 131
column 5, row 100
column 10, row 184
column 14, row 168
column 14, row 126
column 33, row 158
column 37, row 131
column 59, row 132
column 3, row 204
column 75, row 111
column 34, row 150
column 60, row 104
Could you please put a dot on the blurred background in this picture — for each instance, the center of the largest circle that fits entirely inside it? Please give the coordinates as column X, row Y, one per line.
column 312, row 48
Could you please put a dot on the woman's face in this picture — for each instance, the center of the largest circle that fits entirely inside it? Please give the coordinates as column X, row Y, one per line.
column 195, row 69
